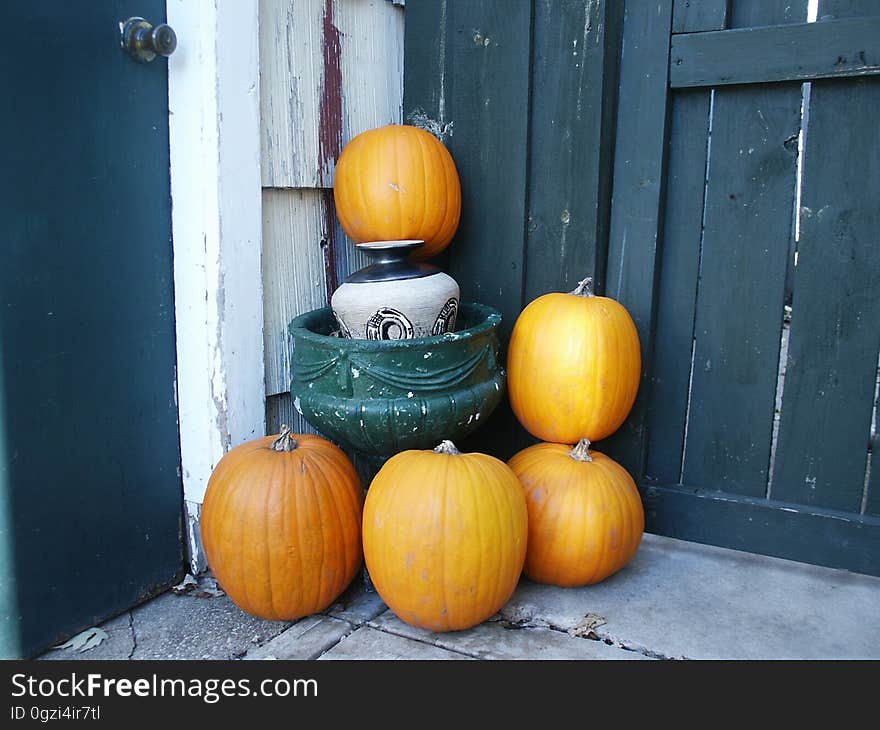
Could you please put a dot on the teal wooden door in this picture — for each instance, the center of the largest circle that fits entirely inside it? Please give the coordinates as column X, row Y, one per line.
column 90, row 491
column 715, row 166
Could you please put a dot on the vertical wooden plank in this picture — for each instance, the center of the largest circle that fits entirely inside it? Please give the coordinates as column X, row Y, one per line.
column 574, row 75
column 749, row 198
column 637, row 202
column 478, row 92
column 491, row 46
column 828, row 397
column 851, row 9
column 427, row 86
column 872, row 506
column 680, row 262
column 689, row 16
column 734, row 454
column 329, row 69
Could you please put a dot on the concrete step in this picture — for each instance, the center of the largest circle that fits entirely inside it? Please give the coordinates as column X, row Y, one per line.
column 674, row 600
column 678, row 599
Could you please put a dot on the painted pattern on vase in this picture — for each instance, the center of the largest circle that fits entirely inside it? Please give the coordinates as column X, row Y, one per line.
column 395, row 298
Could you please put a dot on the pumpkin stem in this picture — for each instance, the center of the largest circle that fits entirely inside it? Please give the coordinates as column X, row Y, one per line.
column 584, row 288
column 447, row 447
column 581, row 451
column 284, row 442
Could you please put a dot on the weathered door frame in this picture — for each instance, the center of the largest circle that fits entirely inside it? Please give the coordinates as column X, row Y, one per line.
column 214, row 120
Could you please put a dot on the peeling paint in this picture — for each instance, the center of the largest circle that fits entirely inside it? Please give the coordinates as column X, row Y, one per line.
column 440, row 129
column 197, row 559
column 441, row 103
column 330, row 106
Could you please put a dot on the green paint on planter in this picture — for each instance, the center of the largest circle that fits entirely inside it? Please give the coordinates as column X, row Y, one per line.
column 381, row 397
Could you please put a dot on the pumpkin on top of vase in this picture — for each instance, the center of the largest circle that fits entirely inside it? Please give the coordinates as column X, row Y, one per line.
column 395, row 298
column 398, row 182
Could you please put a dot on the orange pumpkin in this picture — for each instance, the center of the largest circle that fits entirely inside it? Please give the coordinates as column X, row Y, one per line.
column 444, row 536
column 585, row 515
column 281, row 525
column 397, row 183
column 573, row 366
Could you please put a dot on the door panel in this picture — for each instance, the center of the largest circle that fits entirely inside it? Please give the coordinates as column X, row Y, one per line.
column 89, row 459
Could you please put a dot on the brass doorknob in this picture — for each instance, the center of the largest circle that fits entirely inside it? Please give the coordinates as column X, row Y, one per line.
column 144, row 42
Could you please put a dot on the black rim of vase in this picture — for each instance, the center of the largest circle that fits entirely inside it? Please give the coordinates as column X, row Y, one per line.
column 391, row 262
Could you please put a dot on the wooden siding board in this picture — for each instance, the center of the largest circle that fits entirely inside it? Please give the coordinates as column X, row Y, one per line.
column 690, row 16
column 569, row 166
column 329, row 69
column 832, row 357
column 680, row 261
column 768, row 527
column 306, row 255
column 637, row 202
column 294, row 276
column 834, row 48
column 749, row 198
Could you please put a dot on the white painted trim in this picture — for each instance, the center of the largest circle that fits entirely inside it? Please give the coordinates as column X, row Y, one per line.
column 216, row 222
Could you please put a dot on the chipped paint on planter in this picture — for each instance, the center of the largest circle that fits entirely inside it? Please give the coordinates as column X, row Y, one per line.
column 400, row 399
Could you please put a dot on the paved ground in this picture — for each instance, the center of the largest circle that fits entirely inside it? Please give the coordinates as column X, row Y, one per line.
column 675, row 600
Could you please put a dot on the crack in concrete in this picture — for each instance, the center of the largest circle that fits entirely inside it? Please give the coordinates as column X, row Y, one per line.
column 595, row 634
column 352, row 628
column 134, row 641
column 460, row 652
column 637, row 648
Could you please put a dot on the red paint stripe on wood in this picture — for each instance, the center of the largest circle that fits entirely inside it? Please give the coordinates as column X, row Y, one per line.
column 330, row 106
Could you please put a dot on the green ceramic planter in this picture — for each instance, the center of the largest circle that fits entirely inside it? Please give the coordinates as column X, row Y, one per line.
column 381, row 397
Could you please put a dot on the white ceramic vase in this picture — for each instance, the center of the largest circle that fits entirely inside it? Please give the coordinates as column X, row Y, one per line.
column 395, row 298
